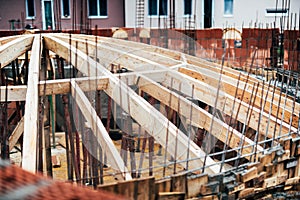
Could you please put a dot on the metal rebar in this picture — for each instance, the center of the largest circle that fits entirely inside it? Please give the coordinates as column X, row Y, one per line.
column 245, row 124
column 177, row 130
column 168, row 109
column 230, row 121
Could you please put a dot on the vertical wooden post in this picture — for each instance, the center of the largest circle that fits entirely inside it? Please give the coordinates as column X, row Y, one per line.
column 29, row 159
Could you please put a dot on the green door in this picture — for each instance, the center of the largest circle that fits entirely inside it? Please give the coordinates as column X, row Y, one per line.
column 48, row 14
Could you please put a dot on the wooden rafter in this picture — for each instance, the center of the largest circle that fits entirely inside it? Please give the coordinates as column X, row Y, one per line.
column 148, row 117
column 207, row 94
column 15, row 48
column 229, row 87
column 61, row 86
column 100, row 132
column 199, row 116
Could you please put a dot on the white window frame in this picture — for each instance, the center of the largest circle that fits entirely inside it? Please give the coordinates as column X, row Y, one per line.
column 43, row 15
column 212, row 11
column 192, row 9
column 34, row 10
column 157, row 15
column 230, row 14
column 98, row 16
column 62, row 10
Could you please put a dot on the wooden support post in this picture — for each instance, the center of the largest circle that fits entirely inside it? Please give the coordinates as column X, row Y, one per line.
column 29, row 159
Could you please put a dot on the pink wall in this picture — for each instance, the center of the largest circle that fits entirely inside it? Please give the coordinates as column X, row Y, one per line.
column 115, row 15
column 12, row 9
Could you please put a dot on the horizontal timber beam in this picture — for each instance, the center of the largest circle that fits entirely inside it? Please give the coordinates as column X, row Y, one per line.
column 4, row 40
column 59, row 86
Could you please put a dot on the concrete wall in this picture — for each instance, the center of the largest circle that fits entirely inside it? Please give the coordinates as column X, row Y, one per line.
column 15, row 9
column 246, row 13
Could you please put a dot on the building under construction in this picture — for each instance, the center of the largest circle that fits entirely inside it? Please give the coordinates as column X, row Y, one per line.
column 159, row 111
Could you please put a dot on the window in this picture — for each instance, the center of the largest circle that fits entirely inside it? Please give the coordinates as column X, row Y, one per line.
column 30, row 10
column 97, row 8
column 65, row 8
column 228, row 7
column 187, row 7
column 158, row 7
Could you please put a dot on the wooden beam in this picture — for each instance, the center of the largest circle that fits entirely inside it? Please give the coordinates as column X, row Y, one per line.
column 29, row 159
column 16, row 134
column 15, row 48
column 61, row 86
column 159, row 52
column 4, row 40
column 155, row 123
column 14, row 93
column 100, row 132
column 199, row 117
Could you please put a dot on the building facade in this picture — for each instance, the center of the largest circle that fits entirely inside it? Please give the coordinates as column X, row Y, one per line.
column 212, row 13
column 61, row 14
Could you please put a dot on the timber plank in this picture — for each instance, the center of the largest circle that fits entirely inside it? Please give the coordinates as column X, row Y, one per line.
column 15, row 48
column 29, row 157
